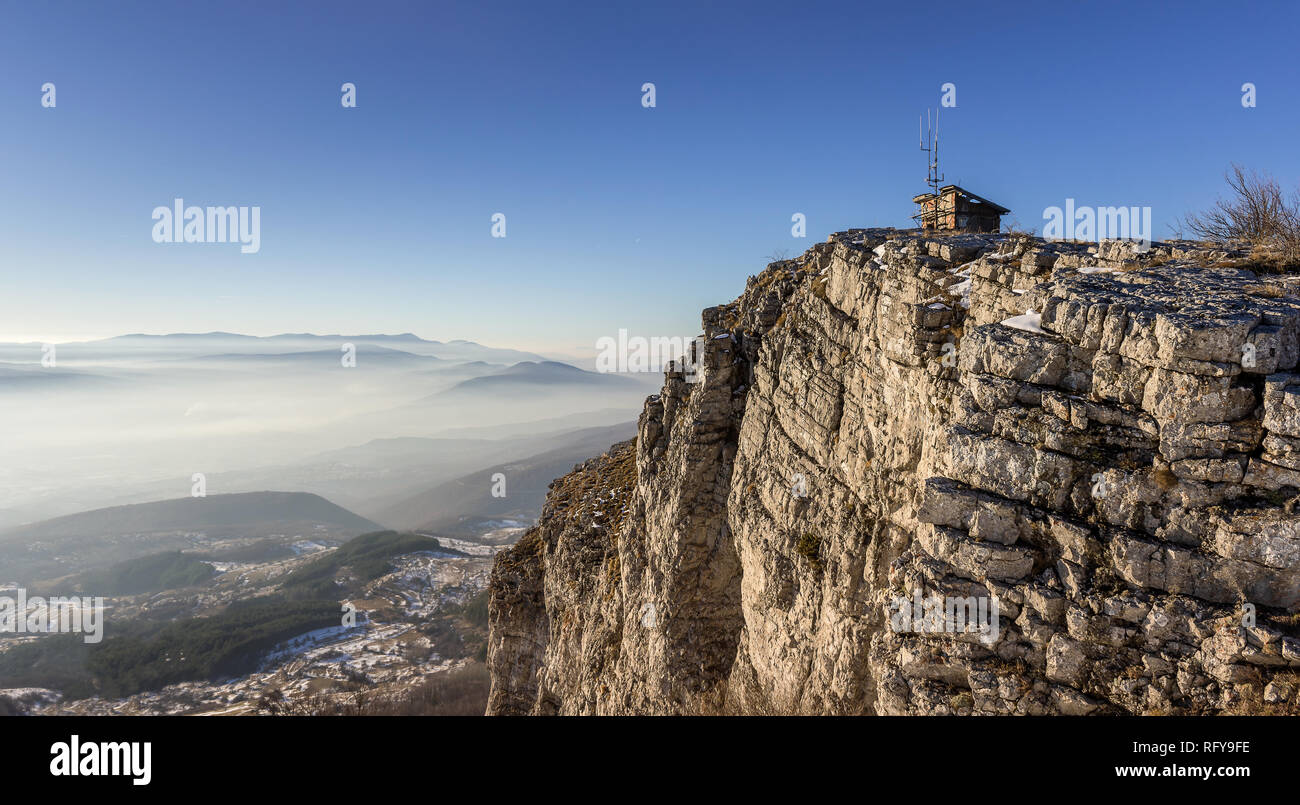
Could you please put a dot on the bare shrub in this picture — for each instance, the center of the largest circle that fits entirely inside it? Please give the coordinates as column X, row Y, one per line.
column 1016, row 229
column 1257, row 214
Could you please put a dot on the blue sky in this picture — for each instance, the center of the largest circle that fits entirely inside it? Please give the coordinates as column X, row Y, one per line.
column 377, row 219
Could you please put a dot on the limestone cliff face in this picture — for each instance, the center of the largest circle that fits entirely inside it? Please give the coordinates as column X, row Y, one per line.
column 1105, row 443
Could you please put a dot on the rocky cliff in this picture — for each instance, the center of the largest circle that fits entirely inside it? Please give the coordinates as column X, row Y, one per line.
column 1102, row 442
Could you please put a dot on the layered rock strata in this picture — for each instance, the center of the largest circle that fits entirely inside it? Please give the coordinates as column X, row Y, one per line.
column 1104, row 441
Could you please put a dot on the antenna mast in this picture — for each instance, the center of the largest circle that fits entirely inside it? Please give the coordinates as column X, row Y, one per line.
column 929, row 142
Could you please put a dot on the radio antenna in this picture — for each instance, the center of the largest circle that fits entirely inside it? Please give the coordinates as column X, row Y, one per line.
column 929, row 142
column 930, row 145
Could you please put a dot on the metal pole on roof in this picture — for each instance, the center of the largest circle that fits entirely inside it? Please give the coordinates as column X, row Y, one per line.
column 929, row 142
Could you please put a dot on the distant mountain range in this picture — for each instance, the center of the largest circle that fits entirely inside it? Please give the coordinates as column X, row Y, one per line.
column 124, row 421
column 533, row 378
column 142, row 345
column 33, row 375
column 466, row 505
column 381, row 477
column 365, row 356
column 97, row 538
column 242, row 514
column 372, row 477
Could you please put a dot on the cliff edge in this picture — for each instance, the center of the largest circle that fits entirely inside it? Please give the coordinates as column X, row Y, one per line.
column 1104, row 442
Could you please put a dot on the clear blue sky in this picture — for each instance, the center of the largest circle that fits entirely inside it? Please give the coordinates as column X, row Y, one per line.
column 378, row 218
